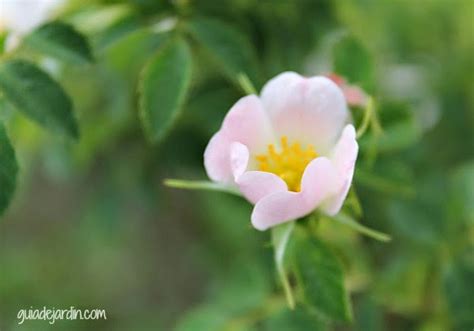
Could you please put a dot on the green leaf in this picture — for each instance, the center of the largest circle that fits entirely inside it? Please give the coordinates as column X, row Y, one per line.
column 228, row 289
column 207, row 108
column 401, row 282
column 462, row 188
column 230, row 49
column 280, row 237
column 3, row 39
column 369, row 317
column 212, row 318
column 6, row 109
column 395, row 137
column 203, row 318
column 422, row 220
column 294, row 320
column 61, row 41
column 353, row 61
column 321, row 279
column 228, row 236
column 459, row 291
column 238, row 297
column 128, row 54
column 38, row 96
column 8, row 170
column 163, row 88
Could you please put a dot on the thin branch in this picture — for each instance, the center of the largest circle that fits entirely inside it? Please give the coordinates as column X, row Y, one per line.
column 199, row 185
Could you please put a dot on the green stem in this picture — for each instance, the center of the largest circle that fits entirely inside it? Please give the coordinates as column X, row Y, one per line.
column 199, row 185
column 353, row 199
column 347, row 220
column 246, row 84
column 375, row 123
column 367, row 118
column 280, row 237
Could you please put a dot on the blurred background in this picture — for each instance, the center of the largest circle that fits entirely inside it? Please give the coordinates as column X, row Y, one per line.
column 92, row 226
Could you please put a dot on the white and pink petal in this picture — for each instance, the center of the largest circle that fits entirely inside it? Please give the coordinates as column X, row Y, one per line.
column 216, row 158
column 311, row 110
column 239, row 159
column 319, row 181
column 343, row 157
column 246, row 123
column 255, row 185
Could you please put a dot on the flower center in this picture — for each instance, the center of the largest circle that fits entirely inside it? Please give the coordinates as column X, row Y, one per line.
column 288, row 162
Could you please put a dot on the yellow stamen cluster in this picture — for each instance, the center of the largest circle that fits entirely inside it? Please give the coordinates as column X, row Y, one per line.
column 288, row 162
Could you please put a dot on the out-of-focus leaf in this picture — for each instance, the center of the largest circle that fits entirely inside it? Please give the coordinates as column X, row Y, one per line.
column 163, row 87
column 211, row 318
column 104, row 112
column 368, row 316
column 400, row 285
column 321, row 279
column 347, row 243
column 353, row 61
column 95, row 19
column 459, row 289
column 400, row 128
column 241, row 290
column 384, row 184
column 415, row 221
column 6, row 109
column 62, row 41
column 207, row 108
column 395, row 137
column 240, row 293
column 228, row 47
column 204, row 318
column 3, row 38
column 392, row 112
column 294, row 320
column 435, row 323
column 463, row 192
column 117, row 30
column 127, row 54
column 38, row 96
column 8, row 170
column 422, row 220
column 229, row 230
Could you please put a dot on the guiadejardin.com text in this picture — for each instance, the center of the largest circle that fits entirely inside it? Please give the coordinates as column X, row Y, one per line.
column 52, row 315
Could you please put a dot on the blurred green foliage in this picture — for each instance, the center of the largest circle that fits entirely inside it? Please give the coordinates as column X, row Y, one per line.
column 92, row 226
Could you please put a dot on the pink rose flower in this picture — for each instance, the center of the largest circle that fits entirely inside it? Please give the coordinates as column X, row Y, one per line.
column 288, row 151
column 19, row 17
column 354, row 95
